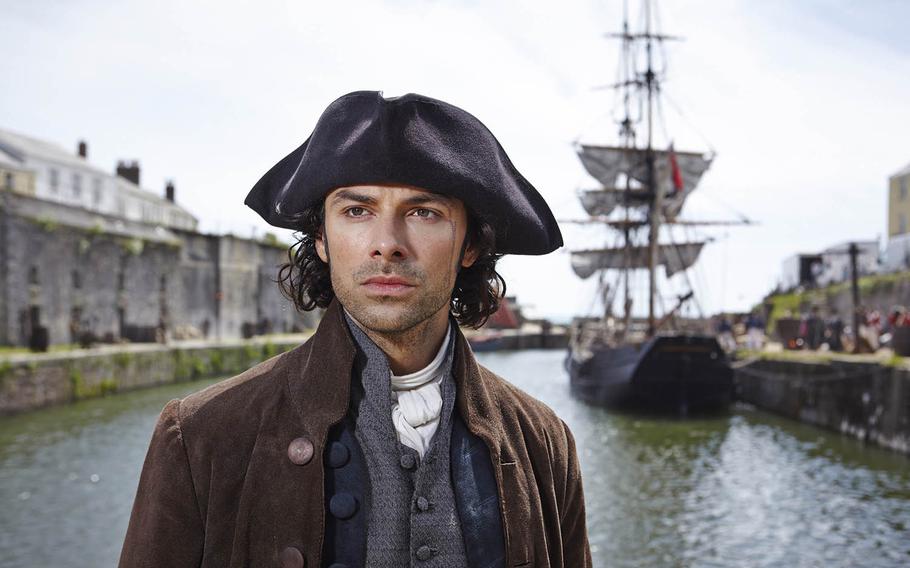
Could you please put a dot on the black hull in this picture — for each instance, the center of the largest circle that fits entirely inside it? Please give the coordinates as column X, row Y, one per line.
column 679, row 373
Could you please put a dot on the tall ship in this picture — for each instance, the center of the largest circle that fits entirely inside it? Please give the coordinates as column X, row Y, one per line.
column 620, row 357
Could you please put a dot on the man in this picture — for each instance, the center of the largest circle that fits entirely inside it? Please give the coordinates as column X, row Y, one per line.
column 380, row 441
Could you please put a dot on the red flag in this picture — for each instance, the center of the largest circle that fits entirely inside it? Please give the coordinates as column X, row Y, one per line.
column 674, row 171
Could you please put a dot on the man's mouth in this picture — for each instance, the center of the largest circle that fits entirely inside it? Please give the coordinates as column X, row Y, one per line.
column 387, row 285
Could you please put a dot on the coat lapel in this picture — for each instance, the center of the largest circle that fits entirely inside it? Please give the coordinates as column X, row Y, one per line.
column 319, row 379
column 482, row 414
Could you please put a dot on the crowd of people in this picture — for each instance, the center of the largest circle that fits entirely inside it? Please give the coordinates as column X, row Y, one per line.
column 814, row 330
column 751, row 328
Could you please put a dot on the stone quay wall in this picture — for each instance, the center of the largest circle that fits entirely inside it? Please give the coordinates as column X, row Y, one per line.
column 76, row 272
column 32, row 381
column 869, row 401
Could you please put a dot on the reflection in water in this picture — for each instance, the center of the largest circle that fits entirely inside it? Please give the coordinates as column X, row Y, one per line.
column 744, row 489
column 68, row 476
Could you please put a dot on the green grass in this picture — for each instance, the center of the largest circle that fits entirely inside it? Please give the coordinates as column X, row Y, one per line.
column 16, row 350
column 798, row 302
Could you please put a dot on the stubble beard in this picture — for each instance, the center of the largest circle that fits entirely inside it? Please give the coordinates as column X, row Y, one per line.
column 386, row 315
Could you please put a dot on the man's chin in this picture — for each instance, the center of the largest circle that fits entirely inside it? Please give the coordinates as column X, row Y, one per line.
column 391, row 317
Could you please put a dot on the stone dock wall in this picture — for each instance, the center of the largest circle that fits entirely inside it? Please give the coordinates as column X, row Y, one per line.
column 32, row 381
column 869, row 401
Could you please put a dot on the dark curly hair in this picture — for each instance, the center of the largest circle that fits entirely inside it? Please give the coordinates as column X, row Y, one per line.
column 305, row 278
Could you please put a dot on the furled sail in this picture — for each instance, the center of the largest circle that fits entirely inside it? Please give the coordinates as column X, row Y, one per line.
column 606, row 163
column 604, row 201
column 674, row 258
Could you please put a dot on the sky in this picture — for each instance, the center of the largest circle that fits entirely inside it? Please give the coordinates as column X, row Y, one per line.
column 804, row 104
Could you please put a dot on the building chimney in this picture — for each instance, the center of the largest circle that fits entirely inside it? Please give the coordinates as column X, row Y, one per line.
column 169, row 191
column 83, row 149
column 128, row 170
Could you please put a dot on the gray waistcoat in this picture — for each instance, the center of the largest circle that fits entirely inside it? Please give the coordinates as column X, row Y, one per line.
column 413, row 519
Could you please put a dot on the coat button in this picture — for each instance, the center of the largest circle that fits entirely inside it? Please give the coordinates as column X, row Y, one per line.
column 343, row 505
column 339, row 454
column 408, row 461
column 423, row 503
column 291, row 558
column 300, row 451
column 424, row 553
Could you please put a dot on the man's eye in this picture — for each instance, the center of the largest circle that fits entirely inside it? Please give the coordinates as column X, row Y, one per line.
column 425, row 213
column 356, row 211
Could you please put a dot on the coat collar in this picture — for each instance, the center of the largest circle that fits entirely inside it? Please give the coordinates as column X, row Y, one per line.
column 318, row 380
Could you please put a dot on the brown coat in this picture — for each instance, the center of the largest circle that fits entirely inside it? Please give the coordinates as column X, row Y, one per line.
column 230, row 478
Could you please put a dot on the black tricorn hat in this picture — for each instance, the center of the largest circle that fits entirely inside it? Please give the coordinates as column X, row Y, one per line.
column 413, row 140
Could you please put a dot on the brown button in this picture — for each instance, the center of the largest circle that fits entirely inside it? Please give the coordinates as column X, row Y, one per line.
column 291, row 558
column 300, row 451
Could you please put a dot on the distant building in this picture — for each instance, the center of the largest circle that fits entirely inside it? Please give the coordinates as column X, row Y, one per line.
column 800, row 270
column 69, row 179
column 829, row 266
column 86, row 253
column 897, row 251
column 835, row 266
column 14, row 177
column 899, row 203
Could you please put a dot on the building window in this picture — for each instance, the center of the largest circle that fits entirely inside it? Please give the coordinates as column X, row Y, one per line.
column 96, row 191
column 77, row 280
column 8, row 183
column 77, row 185
column 54, row 180
column 33, row 275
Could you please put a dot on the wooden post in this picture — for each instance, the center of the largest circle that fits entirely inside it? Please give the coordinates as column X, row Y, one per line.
column 854, row 287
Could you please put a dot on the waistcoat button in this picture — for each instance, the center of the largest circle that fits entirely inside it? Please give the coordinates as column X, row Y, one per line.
column 291, row 558
column 339, row 454
column 343, row 505
column 300, row 451
column 423, row 503
column 424, row 553
column 408, row 461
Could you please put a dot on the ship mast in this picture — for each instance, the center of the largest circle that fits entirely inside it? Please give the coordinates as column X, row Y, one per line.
column 644, row 170
column 627, row 134
column 656, row 195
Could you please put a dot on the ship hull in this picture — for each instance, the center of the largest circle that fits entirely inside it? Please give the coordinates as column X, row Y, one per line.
column 674, row 373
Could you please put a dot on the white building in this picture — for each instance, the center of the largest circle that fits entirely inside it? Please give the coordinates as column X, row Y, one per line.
column 68, row 178
column 835, row 266
column 897, row 253
column 800, row 270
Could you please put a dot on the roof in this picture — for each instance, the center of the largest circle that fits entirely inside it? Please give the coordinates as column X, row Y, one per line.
column 903, row 171
column 18, row 147
column 22, row 146
column 9, row 160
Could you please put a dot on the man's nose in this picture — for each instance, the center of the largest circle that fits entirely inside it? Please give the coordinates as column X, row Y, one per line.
column 389, row 239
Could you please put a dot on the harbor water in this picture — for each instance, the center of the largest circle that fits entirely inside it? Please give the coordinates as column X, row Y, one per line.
column 742, row 489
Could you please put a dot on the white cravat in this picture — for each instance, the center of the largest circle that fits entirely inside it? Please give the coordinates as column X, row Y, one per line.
column 417, row 401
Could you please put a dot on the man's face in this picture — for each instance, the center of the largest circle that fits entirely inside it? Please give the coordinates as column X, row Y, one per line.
column 393, row 253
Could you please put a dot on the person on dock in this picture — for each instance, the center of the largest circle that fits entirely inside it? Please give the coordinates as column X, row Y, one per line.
column 755, row 332
column 725, row 334
column 380, row 441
